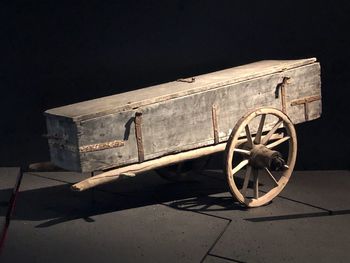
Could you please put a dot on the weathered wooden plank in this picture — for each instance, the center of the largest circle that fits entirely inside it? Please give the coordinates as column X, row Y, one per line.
column 138, row 134
column 185, row 122
column 305, row 100
column 214, row 115
column 308, row 85
column 141, row 97
column 64, row 144
column 101, row 146
column 134, row 169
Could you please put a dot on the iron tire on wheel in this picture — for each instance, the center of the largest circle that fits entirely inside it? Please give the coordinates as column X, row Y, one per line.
column 262, row 139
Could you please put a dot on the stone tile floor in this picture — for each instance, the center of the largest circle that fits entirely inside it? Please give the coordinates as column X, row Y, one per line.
column 148, row 219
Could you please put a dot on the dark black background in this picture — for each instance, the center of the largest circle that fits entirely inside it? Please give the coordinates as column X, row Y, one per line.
column 55, row 53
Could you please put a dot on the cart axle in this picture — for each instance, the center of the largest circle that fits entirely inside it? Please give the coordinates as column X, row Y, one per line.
column 261, row 157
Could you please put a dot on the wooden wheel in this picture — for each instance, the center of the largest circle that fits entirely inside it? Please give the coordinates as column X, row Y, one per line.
column 258, row 158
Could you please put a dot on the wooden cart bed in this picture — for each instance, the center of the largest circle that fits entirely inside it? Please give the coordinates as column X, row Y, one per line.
column 186, row 114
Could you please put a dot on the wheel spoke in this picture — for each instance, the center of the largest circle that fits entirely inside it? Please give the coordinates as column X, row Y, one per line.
column 239, row 166
column 271, row 132
column 242, row 151
column 278, row 142
column 260, row 129
column 246, row 180
column 251, row 147
column 249, row 136
column 256, row 183
column 271, row 176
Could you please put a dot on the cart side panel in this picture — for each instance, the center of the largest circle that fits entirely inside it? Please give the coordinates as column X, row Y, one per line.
column 174, row 125
column 119, row 126
column 303, row 94
column 186, row 123
column 163, row 92
column 63, row 142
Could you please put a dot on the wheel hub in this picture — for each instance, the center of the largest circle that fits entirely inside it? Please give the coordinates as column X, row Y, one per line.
column 261, row 157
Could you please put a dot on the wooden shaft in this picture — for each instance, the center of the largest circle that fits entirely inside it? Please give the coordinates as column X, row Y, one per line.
column 132, row 170
column 115, row 174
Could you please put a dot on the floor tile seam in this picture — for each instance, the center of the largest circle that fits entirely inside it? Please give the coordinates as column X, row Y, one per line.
column 290, row 199
column 331, row 212
column 226, row 258
column 220, row 234
column 299, row 216
column 10, row 209
column 106, row 191
column 128, row 193
column 48, row 178
column 305, row 203
column 122, row 194
column 70, row 183
column 216, row 240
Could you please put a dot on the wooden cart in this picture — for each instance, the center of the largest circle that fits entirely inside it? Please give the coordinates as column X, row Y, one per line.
column 247, row 111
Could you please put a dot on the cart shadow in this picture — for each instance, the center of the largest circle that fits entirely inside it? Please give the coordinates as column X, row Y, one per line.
column 207, row 204
column 57, row 204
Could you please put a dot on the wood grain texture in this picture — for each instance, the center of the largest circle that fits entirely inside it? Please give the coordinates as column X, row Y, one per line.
column 141, row 97
column 64, row 152
column 179, row 116
column 134, row 169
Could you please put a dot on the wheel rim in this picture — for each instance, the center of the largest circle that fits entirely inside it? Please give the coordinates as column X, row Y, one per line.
column 267, row 123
